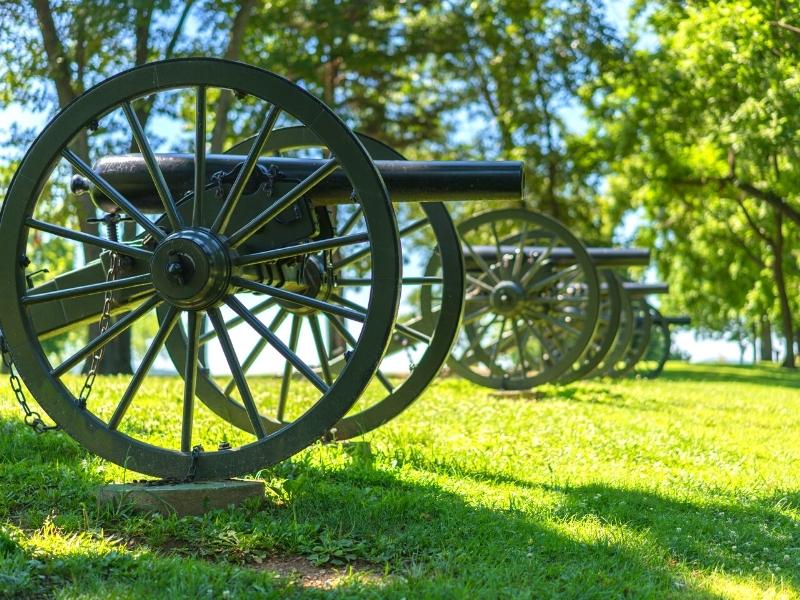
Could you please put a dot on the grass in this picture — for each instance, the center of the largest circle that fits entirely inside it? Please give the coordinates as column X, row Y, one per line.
column 687, row 486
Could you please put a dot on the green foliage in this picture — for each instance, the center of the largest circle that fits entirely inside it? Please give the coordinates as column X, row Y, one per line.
column 701, row 118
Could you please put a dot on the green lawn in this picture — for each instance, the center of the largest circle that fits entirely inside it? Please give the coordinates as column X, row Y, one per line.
column 687, row 486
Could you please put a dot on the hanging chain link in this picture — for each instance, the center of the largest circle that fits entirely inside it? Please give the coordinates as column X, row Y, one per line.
column 32, row 418
column 105, row 321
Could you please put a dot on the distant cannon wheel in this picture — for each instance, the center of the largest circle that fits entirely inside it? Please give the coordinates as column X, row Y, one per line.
column 194, row 259
column 418, row 348
column 532, row 300
column 640, row 339
column 657, row 353
column 614, row 358
column 603, row 339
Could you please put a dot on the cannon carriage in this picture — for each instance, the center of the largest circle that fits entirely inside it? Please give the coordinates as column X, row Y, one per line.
column 288, row 233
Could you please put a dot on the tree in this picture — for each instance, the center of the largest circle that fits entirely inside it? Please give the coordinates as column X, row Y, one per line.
column 702, row 124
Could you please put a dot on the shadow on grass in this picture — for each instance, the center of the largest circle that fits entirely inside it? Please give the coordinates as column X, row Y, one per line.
column 724, row 373
column 433, row 542
column 747, row 538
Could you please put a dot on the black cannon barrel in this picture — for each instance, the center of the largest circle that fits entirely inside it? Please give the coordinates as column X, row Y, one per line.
column 645, row 289
column 407, row 181
column 677, row 321
column 601, row 256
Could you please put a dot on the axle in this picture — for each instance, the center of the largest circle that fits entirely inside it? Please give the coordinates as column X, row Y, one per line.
column 407, row 181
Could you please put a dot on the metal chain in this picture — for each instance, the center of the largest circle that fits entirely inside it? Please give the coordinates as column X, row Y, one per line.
column 105, row 321
column 32, row 418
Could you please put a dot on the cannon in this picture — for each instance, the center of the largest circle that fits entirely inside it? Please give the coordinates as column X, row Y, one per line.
column 243, row 240
column 628, row 349
column 541, row 307
column 652, row 362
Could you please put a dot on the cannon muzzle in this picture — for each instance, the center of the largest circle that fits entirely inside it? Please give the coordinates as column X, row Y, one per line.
column 407, row 181
column 640, row 290
column 677, row 321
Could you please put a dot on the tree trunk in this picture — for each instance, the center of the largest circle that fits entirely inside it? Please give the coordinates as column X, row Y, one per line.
column 783, row 296
column 765, row 334
column 232, row 52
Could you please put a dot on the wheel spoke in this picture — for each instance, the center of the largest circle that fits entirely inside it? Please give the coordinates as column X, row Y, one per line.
column 236, row 370
column 496, row 349
column 300, row 249
column 478, row 336
column 474, row 315
column 86, row 238
column 480, row 283
column 384, row 381
column 316, row 332
column 144, row 367
column 541, row 260
column 294, row 336
column 257, row 309
column 519, row 258
column 498, row 249
column 276, row 342
column 398, row 327
column 552, row 352
column 199, row 156
column 520, row 347
column 88, row 290
column 190, row 378
column 351, row 221
column 258, row 348
column 481, row 263
column 245, row 171
column 559, row 323
column 551, row 279
column 284, row 202
column 113, row 194
column 355, row 256
column 152, row 167
column 299, row 299
column 109, row 334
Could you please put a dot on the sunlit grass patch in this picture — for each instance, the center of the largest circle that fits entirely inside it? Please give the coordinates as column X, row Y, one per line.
column 686, row 486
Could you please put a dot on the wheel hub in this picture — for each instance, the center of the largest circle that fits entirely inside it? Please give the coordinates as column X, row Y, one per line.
column 191, row 269
column 507, row 297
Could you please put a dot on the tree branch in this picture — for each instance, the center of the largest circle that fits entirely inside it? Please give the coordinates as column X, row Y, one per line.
column 176, row 34
column 231, row 53
column 56, row 57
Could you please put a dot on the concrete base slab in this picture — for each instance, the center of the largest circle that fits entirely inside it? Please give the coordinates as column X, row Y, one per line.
column 183, row 499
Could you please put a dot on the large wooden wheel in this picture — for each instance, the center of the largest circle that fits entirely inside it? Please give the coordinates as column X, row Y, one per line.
column 422, row 344
column 195, row 258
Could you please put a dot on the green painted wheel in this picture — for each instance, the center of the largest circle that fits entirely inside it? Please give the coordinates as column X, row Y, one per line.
column 640, row 338
column 652, row 362
column 532, row 300
column 423, row 343
column 194, row 259
column 608, row 325
column 622, row 338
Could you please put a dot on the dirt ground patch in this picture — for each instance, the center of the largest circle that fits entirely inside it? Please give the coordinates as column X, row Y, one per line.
column 308, row 575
